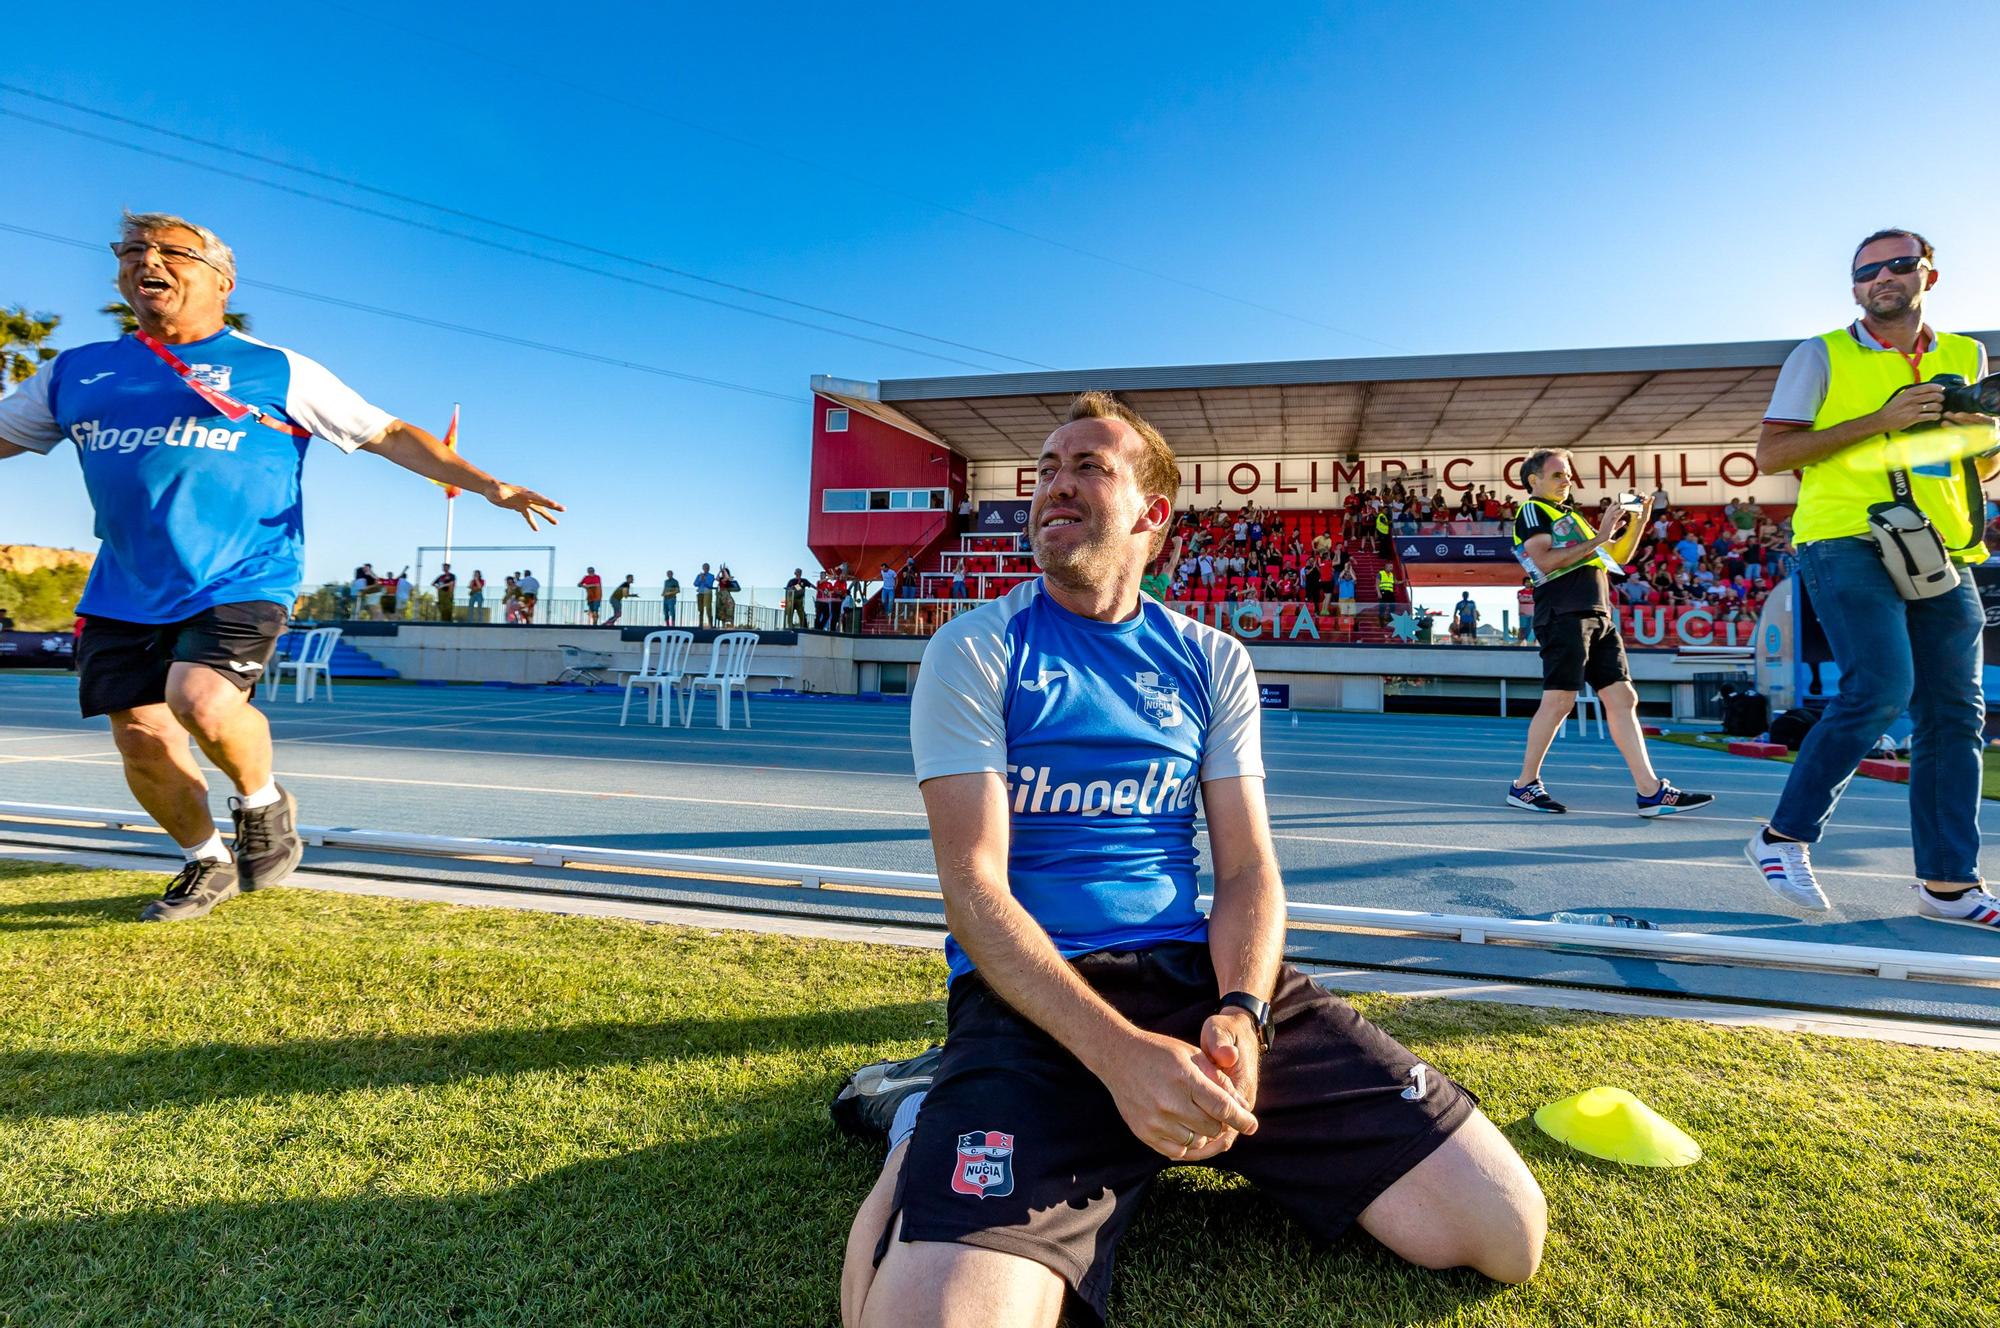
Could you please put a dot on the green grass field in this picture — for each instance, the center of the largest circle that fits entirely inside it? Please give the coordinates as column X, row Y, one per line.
column 320, row 1109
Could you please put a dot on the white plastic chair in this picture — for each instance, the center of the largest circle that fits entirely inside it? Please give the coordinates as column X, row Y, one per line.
column 662, row 671
column 728, row 666
column 311, row 661
column 1587, row 705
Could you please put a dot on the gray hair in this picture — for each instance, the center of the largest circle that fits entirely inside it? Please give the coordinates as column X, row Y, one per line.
column 213, row 249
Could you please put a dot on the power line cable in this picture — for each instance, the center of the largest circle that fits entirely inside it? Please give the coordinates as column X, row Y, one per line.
column 738, row 140
column 351, row 183
column 478, row 239
column 425, row 321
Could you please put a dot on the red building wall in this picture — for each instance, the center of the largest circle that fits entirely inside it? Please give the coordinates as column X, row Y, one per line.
column 874, row 454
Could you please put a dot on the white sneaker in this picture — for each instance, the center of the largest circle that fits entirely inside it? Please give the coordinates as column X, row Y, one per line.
column 1977, row 907
column 1787, row 869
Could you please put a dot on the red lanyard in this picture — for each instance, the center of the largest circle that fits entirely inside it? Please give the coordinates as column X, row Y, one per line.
column 230, row 407
column 1916, row 361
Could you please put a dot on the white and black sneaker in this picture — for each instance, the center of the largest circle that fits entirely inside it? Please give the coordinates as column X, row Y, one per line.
column 1532, row 798
column 199, row 887
column 870, row 1105
column 1668, row 800
column 1977, row 907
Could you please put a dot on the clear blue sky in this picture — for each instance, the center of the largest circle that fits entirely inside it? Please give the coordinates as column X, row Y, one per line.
column 1465, row 178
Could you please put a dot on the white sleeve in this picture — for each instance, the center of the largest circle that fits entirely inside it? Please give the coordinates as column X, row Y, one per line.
column 957, row 724
column 25, row 419
column 1234, row 744
column 1802, row 384
column 329, row 408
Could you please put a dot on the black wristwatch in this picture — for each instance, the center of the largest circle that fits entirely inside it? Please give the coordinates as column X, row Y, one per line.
column 1259, row 1012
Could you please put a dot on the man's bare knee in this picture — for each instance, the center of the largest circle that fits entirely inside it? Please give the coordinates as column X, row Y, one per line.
column 857, row 1269
column 204, row 702
column 942, row 1285
column 1471, row 1204
column 148, row 738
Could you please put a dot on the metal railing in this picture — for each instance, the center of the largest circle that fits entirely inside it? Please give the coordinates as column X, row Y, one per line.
column 1467, row 929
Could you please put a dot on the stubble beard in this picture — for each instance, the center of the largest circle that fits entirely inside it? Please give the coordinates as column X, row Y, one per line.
column 1083, row 567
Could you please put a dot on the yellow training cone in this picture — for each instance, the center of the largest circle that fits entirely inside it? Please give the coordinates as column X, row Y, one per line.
column 1613, row 1124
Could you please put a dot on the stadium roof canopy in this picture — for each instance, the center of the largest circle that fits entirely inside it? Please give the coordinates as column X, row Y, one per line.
column 1616, row 398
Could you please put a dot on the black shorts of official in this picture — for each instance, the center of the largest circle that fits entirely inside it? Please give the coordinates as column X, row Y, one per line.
column 123, row 665
column 1579, row 648
column 1019, row 1148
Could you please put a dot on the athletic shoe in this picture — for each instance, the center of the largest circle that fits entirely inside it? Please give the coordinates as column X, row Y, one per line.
column 1668, row 800
column 268, row 847
column 1977, row 907
column 199, row 887
column 1532, row 798
column 867, row 1104
column 1787, row 869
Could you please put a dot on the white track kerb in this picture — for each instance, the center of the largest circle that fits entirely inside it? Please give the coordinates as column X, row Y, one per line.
column 1701, row 947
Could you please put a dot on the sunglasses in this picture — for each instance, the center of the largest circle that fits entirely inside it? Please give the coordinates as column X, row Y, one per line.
column 1902, row 267
column 174, row 255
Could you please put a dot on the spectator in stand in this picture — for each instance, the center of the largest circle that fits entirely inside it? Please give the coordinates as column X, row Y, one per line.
column 530, row 587
column 358, row 591
column 857, row 601
column 670, row 597
column 593, row 594
column 475, row 594
column 958, row 587
column 386, row 605
column 1748, row 514
column 837, row 619
column 1154, row 583
column 405, row 588
column 1322, row 544
column 1465, row 619
column 908, row 585
column 704, row 597
column 619, row 594
column 1384, row 542
column 1207, row 568
column 1509, row 509
column 726, row 587
column 888, row 592
column 510, row 599
column 446, row 587
column 1660, row 500
column 796, row 591
column 1689, row 549
column 1313, row 586
column 1256, row 533
column 823, row 601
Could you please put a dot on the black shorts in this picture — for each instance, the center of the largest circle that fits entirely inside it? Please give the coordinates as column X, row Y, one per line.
column 1579, row 648
column 1019, row 1148
column 123, row 665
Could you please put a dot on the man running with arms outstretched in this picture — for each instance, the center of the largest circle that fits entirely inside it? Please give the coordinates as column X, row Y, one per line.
column 192, row 440
column 1100, row 1029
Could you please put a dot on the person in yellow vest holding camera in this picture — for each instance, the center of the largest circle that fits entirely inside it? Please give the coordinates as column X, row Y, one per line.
column 1892, row 430
column 1568, row 563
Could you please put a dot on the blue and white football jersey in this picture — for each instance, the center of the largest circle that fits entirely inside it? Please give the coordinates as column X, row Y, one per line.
column 1104, row 732
column 193, row 510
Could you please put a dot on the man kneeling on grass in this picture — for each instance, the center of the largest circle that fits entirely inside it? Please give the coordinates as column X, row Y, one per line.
column 1100, row 1029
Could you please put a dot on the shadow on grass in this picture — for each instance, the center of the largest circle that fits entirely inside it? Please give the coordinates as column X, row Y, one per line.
column 66, row 1083
column 89, row 911
column 745, row 1228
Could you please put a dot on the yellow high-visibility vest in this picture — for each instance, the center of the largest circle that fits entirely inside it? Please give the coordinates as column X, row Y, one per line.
column 1835, row 494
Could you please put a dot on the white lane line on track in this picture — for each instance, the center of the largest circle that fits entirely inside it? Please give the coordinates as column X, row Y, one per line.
column 1558, row 854
column 1705, row 818
column 540, row 789
column 1626, row 860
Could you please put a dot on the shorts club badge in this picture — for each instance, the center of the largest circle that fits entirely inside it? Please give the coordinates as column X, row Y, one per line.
column 985, row 1164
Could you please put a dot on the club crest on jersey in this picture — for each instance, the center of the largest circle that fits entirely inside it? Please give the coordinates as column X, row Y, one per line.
column 214, row 377
column 1159, row 698
column 985, row 1164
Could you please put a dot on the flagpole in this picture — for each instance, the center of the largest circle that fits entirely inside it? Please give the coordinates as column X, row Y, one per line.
column 449, row 492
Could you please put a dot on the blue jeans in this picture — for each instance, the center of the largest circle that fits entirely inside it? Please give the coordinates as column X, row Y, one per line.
column 667, row 612
column 1893, row 652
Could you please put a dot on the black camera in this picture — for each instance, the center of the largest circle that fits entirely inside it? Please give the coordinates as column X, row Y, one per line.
column 1962, row 398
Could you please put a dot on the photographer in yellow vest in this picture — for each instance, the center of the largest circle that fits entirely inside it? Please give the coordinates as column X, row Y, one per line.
column 1886, row 456
column 1568, row 563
